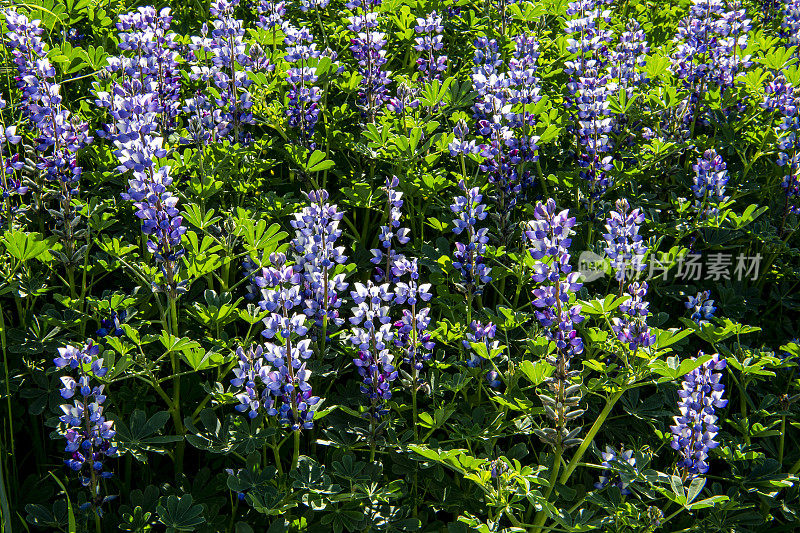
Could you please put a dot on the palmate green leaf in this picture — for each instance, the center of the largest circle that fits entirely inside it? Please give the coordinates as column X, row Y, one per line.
column 139, row 435
column 179, row 514
column 24, row 246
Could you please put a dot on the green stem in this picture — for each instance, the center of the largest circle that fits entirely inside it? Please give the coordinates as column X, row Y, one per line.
column 541, row 516
column 587, row 441
column 781, row 440
column 296, row 451
column 3, row 345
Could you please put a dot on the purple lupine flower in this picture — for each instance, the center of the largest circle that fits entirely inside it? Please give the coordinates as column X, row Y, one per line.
column 286, row 350
column 629, row 58
column 367, row 47
column 229, row 68
column 468, row 256
column 710, row 179
column 695, row 429
column 249, row 271
column 249, row 375
column 790, row 25
column 611, row 459
column 303, row 96
column 374, row 361
column 411, row 334
column 504, row 119
column 88, row 434
column 782, row 99
column 589, row 87
column 482, row 333
column 702, row 307
column 271, row 14
column 710, row 41
column 10, row 184
column 112, row 325
column 387, row 253
column 549, row 235
column 632, row 328
column 307, row 5
column 428, row 43
column 316, row 257
column 624, row 245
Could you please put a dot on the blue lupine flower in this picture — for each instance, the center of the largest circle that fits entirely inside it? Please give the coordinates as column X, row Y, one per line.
column 549, row 236
column 624, row 245
column 468, row 256
column 113, row 324
column 88, row 434
column 411, row 333
column 632, row 328
column 702, row 307
column 695, row 429
column 389, row 233
column 611, row 460
column 374, row 361
column 316, row 256
column 429, row 43
column 482, row 333
column 710, row 179
column 367, row 47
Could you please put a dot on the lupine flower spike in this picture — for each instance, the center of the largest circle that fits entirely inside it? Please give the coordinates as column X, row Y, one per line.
column 695, row 430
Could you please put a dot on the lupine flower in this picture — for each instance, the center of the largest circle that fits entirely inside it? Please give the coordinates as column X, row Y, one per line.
column 632, row 328
column 285, row 351
column 252, row 372
column 113, row 324
column 428, row 43
column 695, row 429
column 411, row 333
column 611, row 460
column 387, row 253
column 702, row 307
column 480, row 333
column 589, row 88
column 367, row 47
column 790, row 26
column 302, row 111
column 549, row 236
column 271, row 14
column 468, row 256
column 229, row 69
column 249, row 271
column 316, row 256
column 374, row 361
column 629, row 58
column 624, row 245
column 710, row 179
column 709, row 43
column 10, row 184
column 59, row 133
column 504, row 121
column 782, row 99
column 88, row 434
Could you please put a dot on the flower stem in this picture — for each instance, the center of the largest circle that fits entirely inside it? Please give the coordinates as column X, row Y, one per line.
column 541, row 516
column 296, row 452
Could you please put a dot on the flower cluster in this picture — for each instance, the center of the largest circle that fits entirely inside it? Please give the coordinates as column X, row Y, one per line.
column 391, row 231
column 316, row 256
column 484, row 334
column 504, row 119
column 708, row 40
column 629, row 58
column 374, row 361
column 701, row 306
column 271, row 14
column 632, row 327
column 287, row 392
column 695, row 429
column 611, row 462
column 228, row 71
column 367, row 47
column 782, row 99
column 468, row 256
column 710, row 179
column 624, row 245
column 303, row 110
column 790, row 25
column 549, row 236
column 10, row 182
column 428, row 43
column 589, row 87
column 411, row 335
column 112, row 325
column 88, row 434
